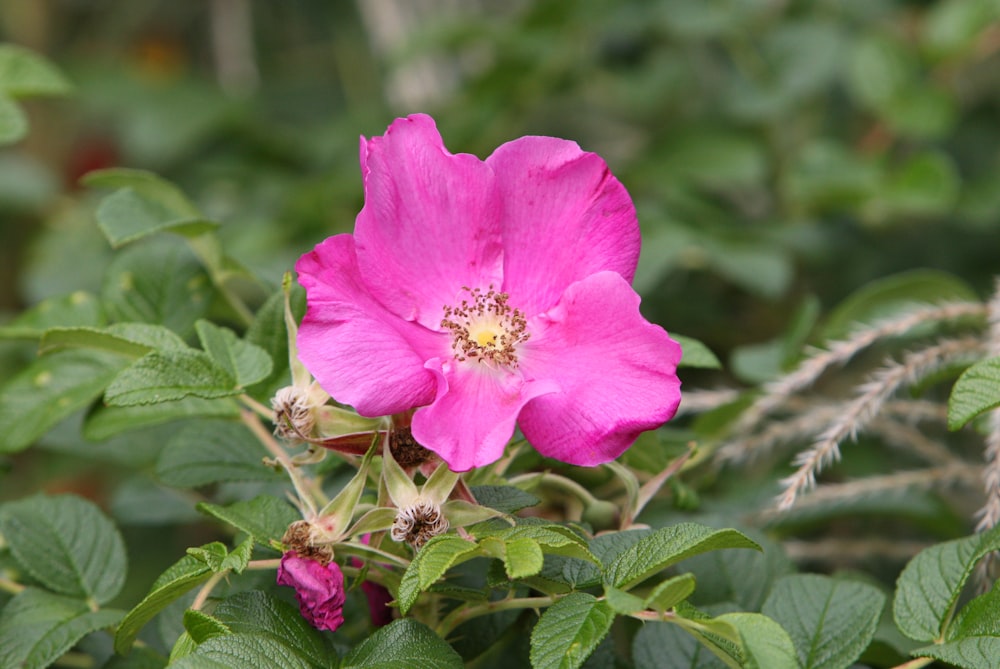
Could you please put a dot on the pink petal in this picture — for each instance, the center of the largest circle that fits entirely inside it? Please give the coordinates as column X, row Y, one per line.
column 430, row 224
column 616, row 371
column 565, row 218
column 474, row 413
column 359, row 352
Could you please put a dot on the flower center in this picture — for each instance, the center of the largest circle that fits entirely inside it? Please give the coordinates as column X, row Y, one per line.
column 485, row 328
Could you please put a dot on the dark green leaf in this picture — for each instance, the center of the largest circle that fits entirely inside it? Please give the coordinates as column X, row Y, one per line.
column 211, row 554
column 204, row 452
column 928, row 589
column 247, row 650
column 265, row 518
column 181, row 577
column 505, row 498
column 403, row 644
column 830, row 621
column 667, row 546
column 107, row 421
column 977, row 652
column 738, row 576
column 126, row 216
column 666, row 646
column 202, row 626
column 50, row 389
column 37, row 627
column 150, row 186
column 79, row 309
column 13, row 122
column 256, row 613
column 167, row 376
column 67, row 544
column 569, row 630
column 765, row 643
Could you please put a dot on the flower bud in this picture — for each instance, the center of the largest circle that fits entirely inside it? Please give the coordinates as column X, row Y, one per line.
column 418, row 522
column 319, row 589
column 293, row 413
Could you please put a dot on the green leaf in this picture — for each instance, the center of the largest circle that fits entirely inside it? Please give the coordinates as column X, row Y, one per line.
column 264, row 517
column 977, row 652
column 50, row 389
column 505, row 498
column 667, row 546
column 976, row 390
column 430, row 563
column 147, row 184
column 403, row 644
column 203, row 452
column 623, row 602
column 76, row 309
column 132, row 340
column 246, row 650
column 13, row 121
column 212, row 554
column 161, row 283
column 831, row 621
column 660, row 645
column 927, row 185
column 695, row 354
column 737, row 576
column 766, row 644
column 569, row 631
column 203, row 627
column 256, row 613
column 556, row 539
column 107, row 421
column 67, row 544
column 38, row 627
column 166, row 376
column 139, row 658
column 522, row 558
column 980, row 617
column 718, row 636
column 126, row 216
column 24, row 73
column 669, row 593
column 239, row 557
column 927, row 591
column 893, row 295
column 244, row 362
column 179, row 578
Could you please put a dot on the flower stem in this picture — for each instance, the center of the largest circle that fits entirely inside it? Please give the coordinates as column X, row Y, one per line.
column 915, row 664
column 273, row 447
column 206, row 590
column 462, row 614
column 261, row 410
column 10, row 586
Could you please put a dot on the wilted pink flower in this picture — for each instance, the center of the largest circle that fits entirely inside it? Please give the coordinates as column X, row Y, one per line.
column 489, row 293
column 319, row 588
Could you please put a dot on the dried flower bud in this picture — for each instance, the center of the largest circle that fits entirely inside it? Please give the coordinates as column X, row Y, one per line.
column 306, row 540
column 417, row 523
column 293, row 413
column 405, row 449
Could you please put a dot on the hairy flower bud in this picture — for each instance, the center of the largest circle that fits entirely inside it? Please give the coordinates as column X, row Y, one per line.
column 293, row 413
column 418, row 522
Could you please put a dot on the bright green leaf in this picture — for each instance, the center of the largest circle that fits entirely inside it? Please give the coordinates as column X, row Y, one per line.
column 430, row 563
column 522, row 558
column 977, row 652
column 403, row 644
column 246, row 650
column 927, row 591
column 67, row 544
column 623, row 602
column 24, row 73
column 569, row 631
column 126, row 216
column 38, row 627
column 976, row 390
column 667, row 546
column 696, row 354
column 669, row 593
column 766, row 644
column 831, row 621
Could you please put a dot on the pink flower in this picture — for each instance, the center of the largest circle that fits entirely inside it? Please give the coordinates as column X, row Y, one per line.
column 319, row 588
column 490, row 294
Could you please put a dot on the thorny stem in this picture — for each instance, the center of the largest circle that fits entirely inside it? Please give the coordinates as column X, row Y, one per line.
column 462, row 614
column 206, row 590
column 275, row 449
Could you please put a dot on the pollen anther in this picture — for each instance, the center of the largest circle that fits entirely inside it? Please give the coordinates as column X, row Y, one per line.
column 485, row 328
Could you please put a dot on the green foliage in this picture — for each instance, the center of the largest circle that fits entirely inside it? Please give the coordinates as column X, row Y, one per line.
column 569, row 630
column 402, row 643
